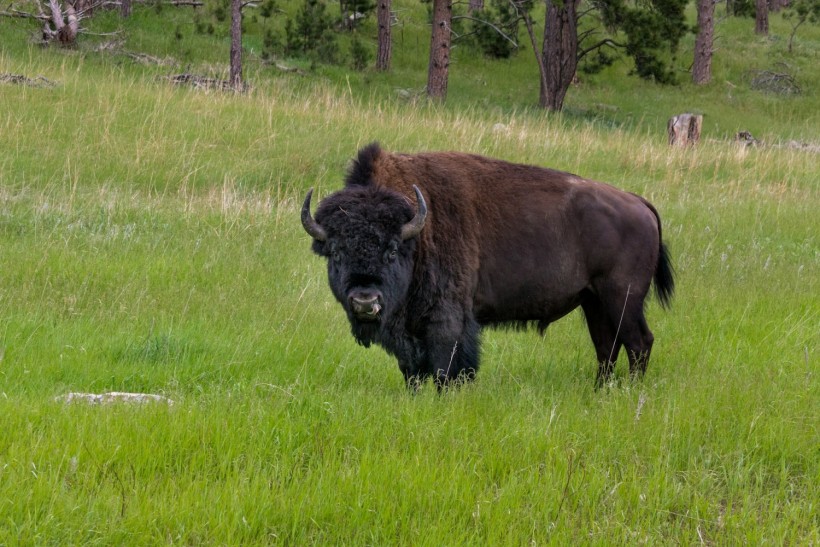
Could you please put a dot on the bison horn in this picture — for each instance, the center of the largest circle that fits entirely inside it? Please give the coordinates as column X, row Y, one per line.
column 412, row 228
column 311, row 226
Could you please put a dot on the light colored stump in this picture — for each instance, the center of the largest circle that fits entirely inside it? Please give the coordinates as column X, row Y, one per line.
column 684, row 129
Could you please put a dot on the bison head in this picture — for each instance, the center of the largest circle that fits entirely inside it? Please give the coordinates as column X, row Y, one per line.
column 368, row 236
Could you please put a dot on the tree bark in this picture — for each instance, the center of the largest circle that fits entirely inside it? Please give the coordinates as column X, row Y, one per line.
column 560, row 52
column 68, row 33
column 61, row 27
column 385, row 49
column 438, row 70
column 346, row 21
column 80, row 6
column 235, row 78
column 525, row 16
column 762, row 17
column 702, row 67
column 684, row 129
column 125, row 8
column 475, row 5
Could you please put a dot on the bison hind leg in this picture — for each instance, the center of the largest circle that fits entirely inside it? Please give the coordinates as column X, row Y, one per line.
column 625, row 310
column 639, row 347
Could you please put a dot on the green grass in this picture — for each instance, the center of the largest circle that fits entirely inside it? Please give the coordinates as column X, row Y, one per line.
column 149, row 241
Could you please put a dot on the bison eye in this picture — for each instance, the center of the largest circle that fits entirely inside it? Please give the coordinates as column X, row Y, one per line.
column 391, row 253
column 335, row 255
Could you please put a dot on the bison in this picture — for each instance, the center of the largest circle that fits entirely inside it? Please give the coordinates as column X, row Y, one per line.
column 424, row 250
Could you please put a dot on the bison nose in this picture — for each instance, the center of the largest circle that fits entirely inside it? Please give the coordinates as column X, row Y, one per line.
column 365, row 303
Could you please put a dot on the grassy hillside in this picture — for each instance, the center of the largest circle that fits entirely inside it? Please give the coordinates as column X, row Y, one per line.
column 149, row 241
column 497, row 88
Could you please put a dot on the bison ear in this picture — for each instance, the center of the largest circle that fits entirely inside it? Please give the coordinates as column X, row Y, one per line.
column 413, row 228
column 320, row 248
column 311, row 226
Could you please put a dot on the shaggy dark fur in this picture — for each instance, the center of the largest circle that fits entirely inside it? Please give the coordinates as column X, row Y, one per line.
column 502, row 244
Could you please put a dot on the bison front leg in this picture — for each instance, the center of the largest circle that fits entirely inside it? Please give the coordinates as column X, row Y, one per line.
column 444, row 362
column 412, row 376
column 410, row 355
column 453, row 354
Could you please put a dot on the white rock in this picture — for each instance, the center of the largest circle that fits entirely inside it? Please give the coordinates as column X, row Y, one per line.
column 112, row 397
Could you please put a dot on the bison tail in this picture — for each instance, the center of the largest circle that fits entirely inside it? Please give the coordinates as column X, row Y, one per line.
column 664, row 277
column 664, row 272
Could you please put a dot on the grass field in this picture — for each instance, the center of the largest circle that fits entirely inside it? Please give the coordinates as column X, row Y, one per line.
column 150, row 241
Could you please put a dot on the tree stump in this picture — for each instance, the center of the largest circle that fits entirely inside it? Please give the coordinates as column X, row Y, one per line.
column 684, row 129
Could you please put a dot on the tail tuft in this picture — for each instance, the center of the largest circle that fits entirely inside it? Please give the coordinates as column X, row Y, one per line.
column 664, row 277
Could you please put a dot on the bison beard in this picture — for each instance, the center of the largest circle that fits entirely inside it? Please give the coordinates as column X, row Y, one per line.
column 502, row 244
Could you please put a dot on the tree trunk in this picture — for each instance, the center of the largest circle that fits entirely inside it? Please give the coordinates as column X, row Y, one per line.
column 684, row 129
column 345, row 15
column 125, row 8
column 439, row 66
column 795, row 25
column 385, row 49
column 68, row 32
column 80, row 6
column 60, row 27
column 560, row 52
column 475, row 5
column 702, row 67
column 762, row 17
column 235, row 78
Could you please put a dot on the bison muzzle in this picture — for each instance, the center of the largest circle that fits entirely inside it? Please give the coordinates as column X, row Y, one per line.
column 424, row 250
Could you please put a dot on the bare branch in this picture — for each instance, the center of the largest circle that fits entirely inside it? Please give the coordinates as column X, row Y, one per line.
column 94, row 5
column 538, row 57
column 192, row 3
column 24, row 15
column 586, row 34
column 19, row 79
column 605, row 42
column 87, row 33
column 584, row 13
column 56, row 15
column 483, row 22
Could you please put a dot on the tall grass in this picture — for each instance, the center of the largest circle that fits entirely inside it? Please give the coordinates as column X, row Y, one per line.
column 149, row 241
